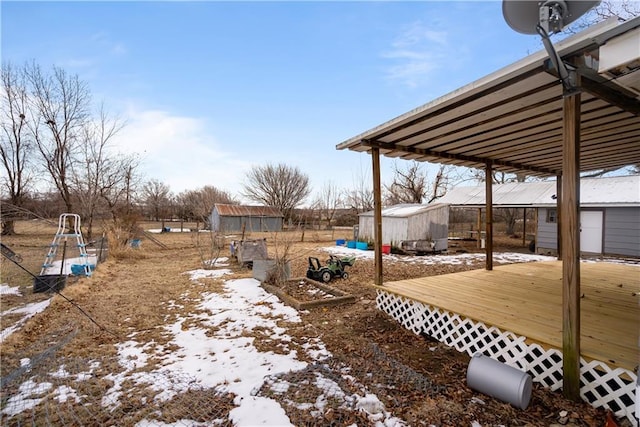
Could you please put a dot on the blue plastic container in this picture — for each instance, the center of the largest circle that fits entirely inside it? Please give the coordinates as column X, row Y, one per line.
column 363, row 246
column 340, row 242
column 351, row 244
column 78, row 269
column 135, row 243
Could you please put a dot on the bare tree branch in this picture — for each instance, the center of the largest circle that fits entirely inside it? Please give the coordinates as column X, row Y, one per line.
column 280, row 186
column 412, row 185
column 328, row 202
column 16, row 145
column 62, row 102
column 157, row 196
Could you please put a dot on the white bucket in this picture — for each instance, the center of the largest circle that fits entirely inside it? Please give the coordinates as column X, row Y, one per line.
column 498, row 380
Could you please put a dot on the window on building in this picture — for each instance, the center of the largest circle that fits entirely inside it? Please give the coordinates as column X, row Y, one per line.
column 552, row 216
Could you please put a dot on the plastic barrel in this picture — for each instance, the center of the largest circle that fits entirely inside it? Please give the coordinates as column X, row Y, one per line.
column 363, row 246
column 386, row 249
column 498, row 380
column 351, row 244
column 340, row 242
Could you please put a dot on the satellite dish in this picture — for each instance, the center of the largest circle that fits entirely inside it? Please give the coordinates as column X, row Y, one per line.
column 524, row 16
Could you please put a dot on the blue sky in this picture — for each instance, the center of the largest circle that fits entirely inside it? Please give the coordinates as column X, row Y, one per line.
column 209, row 89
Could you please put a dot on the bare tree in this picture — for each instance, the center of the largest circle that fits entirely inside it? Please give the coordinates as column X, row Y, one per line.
column 328, row 202
column 360, row 197
column 16, row 146
column 97, row 165
column 119, row 182
column 198, row 204
column 412, row 185
column 157, row 197
column 61, row 109
column 622, row 9
column 508, row 215
column 280, row 186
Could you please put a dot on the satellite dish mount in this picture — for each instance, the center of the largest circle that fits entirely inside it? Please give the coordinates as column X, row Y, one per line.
column 551, row 20
column 545, row 18
column 552, row 15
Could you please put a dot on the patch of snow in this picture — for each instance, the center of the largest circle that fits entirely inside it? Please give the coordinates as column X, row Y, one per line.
column 61, row 372
column 28, row 311
column 458, row 259
column 5, row 289
column 56, row 266
column 171, row 230
column 23, row 400
column 222, row 261
column 370, row 404
column 202, row 274
column 179, row 423
column 254, row 411
column 64, row 393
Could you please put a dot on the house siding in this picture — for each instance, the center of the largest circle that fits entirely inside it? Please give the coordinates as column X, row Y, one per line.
column 622, row 231
column 547, row 238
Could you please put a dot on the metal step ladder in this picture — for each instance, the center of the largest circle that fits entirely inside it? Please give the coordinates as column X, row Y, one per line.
column 68, row 227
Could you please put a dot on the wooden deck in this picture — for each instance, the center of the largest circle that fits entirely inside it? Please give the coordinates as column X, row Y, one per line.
column 526, row 299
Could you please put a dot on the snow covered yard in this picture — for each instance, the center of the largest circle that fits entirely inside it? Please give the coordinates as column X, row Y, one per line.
column 229, row 353
column 214, row 348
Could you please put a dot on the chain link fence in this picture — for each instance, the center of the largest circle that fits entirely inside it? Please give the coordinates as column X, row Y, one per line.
column 45, row 389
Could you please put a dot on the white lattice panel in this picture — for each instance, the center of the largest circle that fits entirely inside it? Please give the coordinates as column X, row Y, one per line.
column 601, row 386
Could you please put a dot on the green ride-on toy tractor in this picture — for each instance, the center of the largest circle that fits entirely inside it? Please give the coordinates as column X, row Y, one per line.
column 335, row 268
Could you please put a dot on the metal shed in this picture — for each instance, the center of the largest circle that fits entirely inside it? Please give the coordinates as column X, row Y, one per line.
column 235, row 218
column 408, row 222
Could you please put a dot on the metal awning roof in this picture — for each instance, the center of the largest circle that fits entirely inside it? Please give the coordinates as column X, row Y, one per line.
column 513, row 117
column 615, row 191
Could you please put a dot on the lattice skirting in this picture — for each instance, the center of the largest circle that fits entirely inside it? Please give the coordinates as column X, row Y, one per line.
column 600, row 385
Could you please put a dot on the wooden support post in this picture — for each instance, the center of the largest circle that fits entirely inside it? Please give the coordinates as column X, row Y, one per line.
column 489, row 216
column 536, row 221
column 479, row 235
column 377, row 215
column 571, row 248
column 559, row 216
column 524, row 227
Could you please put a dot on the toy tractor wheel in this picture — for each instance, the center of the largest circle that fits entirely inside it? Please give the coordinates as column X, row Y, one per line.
column 345, row 275
column 326, row 276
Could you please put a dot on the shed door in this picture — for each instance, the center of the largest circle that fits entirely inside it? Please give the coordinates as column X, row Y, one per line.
column 591, row 231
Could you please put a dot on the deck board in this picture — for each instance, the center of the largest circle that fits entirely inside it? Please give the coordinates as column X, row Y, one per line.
column 526, row 299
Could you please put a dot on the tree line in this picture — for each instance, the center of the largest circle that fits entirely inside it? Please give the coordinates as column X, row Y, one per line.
column 57, row 154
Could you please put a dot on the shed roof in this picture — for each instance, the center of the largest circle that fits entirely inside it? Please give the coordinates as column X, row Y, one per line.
column 513, row 118
column 254, row 211
column 594, row 192
column 406, row 210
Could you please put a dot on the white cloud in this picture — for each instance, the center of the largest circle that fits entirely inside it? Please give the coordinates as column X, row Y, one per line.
column 180, row 151
column 91, row 53
column 416, row 53
column 103, row 41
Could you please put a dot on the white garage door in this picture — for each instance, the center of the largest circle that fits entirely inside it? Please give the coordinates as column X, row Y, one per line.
column 591, row 231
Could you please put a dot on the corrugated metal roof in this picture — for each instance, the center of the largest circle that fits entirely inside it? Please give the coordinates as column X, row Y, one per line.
column 513, row 118
column 610, row 191
column 240, row 210
column 405, row 210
